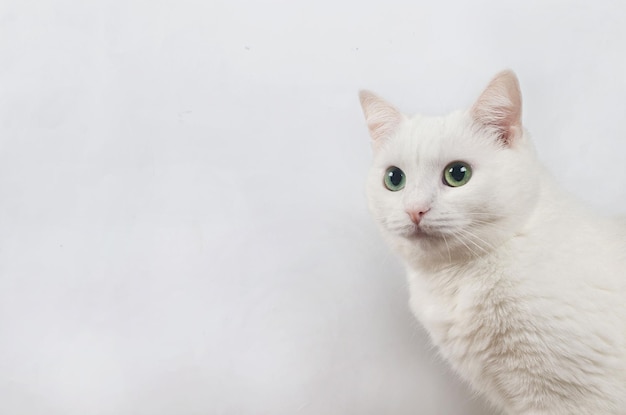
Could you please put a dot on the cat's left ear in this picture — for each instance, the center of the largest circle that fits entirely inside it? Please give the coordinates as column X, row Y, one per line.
column 500, row 106
column 382, row 118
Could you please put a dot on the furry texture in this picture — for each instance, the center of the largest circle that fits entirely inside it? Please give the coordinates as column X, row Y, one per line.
column 522, row 289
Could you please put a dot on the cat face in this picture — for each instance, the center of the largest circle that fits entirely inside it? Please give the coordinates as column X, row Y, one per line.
column 452, row 186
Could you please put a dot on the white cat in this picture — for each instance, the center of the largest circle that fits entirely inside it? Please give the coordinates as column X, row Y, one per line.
column 522, row 289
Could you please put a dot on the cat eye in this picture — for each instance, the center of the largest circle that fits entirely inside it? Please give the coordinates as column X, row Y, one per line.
column 394, row 179
column 457, row 174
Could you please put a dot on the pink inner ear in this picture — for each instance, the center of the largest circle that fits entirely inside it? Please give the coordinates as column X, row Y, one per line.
column 381, row 117
column 500, row 106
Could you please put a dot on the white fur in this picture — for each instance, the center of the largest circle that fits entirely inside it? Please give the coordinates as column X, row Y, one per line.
column 522, row 289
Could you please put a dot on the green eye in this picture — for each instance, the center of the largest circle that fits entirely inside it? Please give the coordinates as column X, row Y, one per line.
column 394, row 179
column 457, row 174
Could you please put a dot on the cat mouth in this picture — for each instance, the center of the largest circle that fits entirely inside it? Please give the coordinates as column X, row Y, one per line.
column 416, row 232
column 413, row 232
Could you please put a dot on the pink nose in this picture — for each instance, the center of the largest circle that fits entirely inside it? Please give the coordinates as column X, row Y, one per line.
column 416, row 215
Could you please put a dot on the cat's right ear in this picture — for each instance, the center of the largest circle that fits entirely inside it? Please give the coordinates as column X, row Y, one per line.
column 382, row 118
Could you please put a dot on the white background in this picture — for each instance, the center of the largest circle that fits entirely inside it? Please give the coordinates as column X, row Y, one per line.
column 183, row 226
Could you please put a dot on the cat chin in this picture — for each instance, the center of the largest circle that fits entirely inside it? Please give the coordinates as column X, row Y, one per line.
column 419, row 233
column 414, row 233
column 426, row 247
column 424, row 238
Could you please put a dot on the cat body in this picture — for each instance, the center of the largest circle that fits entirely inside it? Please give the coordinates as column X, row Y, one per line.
column 522, row 289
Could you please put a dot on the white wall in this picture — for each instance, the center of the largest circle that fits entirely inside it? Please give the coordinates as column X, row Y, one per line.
column 183, row 227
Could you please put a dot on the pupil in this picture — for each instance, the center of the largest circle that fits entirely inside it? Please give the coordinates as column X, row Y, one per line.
column 458, row 172
column 395, row 177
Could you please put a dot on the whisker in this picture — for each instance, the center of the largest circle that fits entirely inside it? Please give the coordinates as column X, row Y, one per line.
column 492, row 225
column 458, row 238
column 447, row 246
column 470, row 240
column 472, row 235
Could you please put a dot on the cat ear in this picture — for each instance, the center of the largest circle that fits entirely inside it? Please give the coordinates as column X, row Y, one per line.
column 382, row 118
column 500, row 106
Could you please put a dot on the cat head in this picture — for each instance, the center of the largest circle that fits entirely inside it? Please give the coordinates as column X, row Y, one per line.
column 452, row 187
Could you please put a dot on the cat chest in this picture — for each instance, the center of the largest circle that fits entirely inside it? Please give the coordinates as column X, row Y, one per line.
column 460, row 322
column 445, row 319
